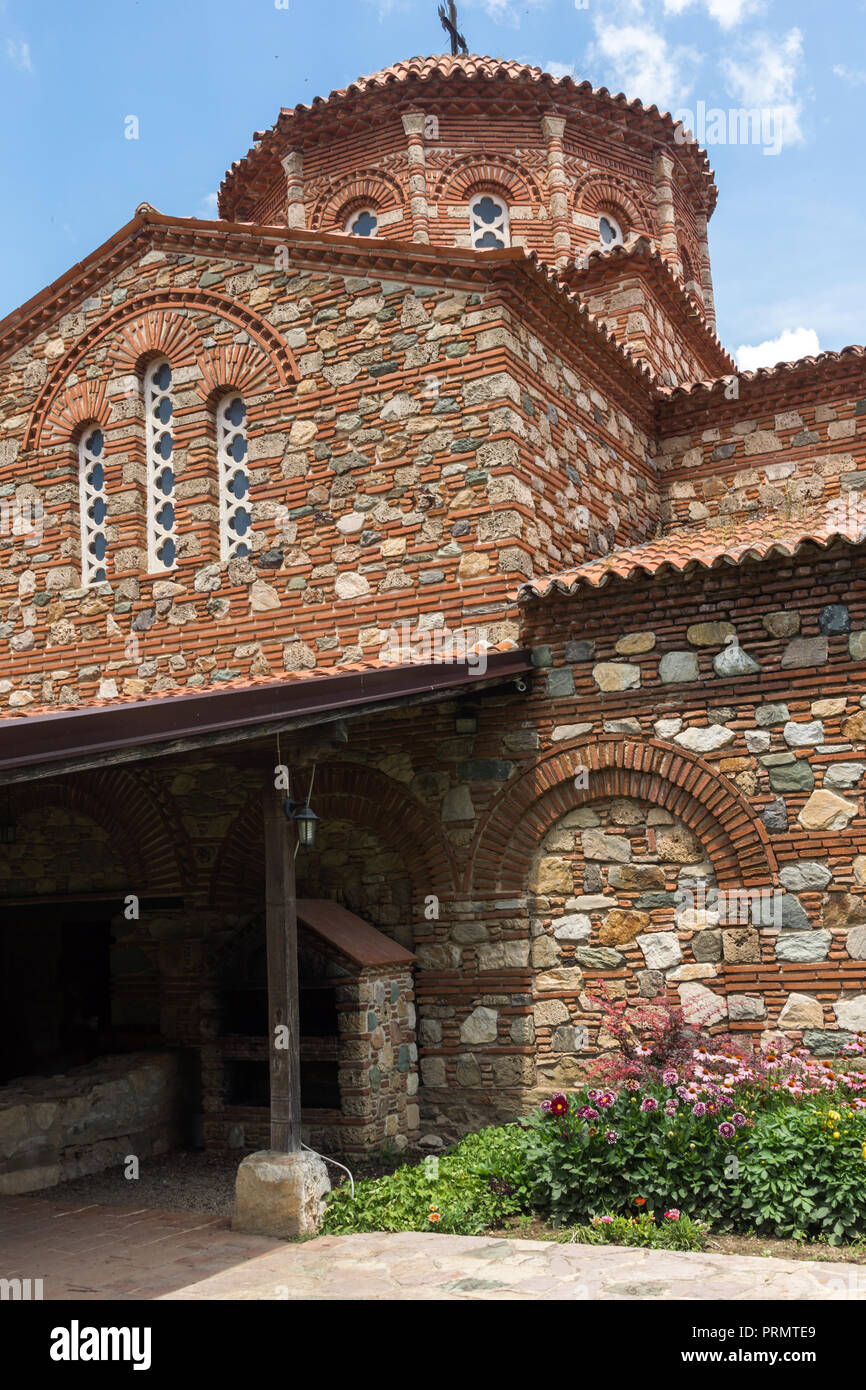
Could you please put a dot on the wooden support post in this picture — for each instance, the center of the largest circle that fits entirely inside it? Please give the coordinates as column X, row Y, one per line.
column 283, row 1008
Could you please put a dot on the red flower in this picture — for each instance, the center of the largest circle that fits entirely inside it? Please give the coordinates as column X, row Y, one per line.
column 559, row 1105
column 640, row 1201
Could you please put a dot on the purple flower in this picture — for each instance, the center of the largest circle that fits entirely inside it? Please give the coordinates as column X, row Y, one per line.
column 670, row 1077
column 611, row 1136
column 727, row 1130
column 607, row 1099
column 592, row 1095
column 671, row 1106
column 739, row 1118
column 546, row 1106
column 699, row 1109
column 649, row 1104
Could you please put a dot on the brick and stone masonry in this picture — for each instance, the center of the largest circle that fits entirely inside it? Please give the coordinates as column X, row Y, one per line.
column 544, row 442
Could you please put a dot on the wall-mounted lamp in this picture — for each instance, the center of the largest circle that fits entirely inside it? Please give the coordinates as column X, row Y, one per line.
column 305, row 819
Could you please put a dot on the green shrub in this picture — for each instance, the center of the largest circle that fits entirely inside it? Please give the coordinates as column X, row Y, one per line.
column 779, row 1149
column 673, row 1232
column 479, row 1184
column 794, row 1171
column 804, row 1173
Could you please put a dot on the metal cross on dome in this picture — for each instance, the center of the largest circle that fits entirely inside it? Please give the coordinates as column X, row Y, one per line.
column 449, row 24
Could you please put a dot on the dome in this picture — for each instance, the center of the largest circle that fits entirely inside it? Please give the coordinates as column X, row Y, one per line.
column 472, row 151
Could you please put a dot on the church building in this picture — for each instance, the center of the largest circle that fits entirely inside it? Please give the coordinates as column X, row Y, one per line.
column 414, row 632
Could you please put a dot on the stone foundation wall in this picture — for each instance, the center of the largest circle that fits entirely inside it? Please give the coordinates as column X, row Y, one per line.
column 60, row 1127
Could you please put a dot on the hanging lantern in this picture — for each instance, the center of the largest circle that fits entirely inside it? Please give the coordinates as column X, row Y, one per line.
column 304, row 818
column 306, row 822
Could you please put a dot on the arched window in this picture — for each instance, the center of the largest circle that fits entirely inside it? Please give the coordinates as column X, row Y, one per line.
column 609, row 231
column 158, row 411
column 363, row 222
column 234, row 481
column 488, row 222
column 94, row 507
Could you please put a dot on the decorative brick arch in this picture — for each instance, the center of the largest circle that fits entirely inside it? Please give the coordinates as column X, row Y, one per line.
column 472, row 174
column 348, row 792
column 598, row 193
column 685, row 785
column 162, row 322
column 371, row 187
column 76, row 406
column 139, row 815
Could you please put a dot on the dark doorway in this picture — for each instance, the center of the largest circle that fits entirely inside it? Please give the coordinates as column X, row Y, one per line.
column 55, row 986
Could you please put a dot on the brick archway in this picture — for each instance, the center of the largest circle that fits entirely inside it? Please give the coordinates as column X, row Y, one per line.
column 679, row 782
column 144, row 825
column 364, row 797
column 163, row 322
column 366, row 186
column 471, row 172
column 596, row 193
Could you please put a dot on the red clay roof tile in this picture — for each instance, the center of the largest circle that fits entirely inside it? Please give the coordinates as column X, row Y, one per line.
column 706, row 547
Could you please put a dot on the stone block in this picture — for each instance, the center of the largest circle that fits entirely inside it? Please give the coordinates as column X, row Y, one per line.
column 741, row 945
column 278, row 1194
column 661, row 950
column 801, row 1011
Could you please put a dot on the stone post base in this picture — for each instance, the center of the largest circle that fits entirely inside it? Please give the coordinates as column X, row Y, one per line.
column 279, row 1194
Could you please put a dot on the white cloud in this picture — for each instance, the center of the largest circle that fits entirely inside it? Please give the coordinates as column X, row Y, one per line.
column 642, row 63
column 855, row 75
column 208, row 207
column 18, row 53
column 562, row 70
column 790, row 344
column 727, row 13
column 765, row 72
column 501, row 12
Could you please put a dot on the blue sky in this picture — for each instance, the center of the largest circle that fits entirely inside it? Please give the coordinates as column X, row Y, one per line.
column 202, row 75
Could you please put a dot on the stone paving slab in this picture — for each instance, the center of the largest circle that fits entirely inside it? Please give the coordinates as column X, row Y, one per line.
column 422, row 1266
column 112, row 1253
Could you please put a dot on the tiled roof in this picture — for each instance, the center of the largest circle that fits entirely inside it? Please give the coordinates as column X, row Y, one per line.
column 593, row 266
column 704, row 547
column 418, row 70
column 800, row 366
column 369, row 666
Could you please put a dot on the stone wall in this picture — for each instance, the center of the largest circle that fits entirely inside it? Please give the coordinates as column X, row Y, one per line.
column 414, row 450
column 56, row 1128
column 794, row 446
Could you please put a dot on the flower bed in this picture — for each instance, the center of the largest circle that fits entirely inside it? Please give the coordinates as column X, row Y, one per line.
column 772, row 1143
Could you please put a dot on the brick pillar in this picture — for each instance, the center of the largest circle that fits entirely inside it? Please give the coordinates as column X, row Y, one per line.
column 553, row 129
column 704, row 270
column 666, row 227
column 294, row 166
column 413, row 125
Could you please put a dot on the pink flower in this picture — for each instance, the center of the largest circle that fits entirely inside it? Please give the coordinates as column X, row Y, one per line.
column 699, row 1109
column 650, row 1103
column 739, row 1118
column 670, row 1077
column 611, row 1136
column 671, row 1107
column 593, row 1095
column 672, row 1215
column 607, row 1099
column 727, row 1130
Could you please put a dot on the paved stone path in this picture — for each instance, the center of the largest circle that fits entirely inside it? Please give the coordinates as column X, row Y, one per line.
column 99, row 1252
